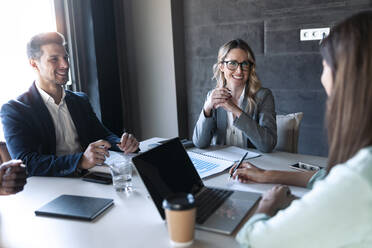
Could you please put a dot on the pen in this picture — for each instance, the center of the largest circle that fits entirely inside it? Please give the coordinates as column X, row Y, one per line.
column 240, row 162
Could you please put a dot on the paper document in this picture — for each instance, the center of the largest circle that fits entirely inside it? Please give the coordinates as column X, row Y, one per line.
column 228, row 153
column 207, row 166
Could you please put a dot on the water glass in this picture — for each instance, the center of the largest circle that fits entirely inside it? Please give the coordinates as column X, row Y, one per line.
column 121, row 172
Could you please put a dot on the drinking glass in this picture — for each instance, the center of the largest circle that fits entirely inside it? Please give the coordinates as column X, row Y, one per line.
column 121, row 172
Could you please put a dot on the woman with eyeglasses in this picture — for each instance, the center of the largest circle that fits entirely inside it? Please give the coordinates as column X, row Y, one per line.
column 337, row 212
column 238, row 111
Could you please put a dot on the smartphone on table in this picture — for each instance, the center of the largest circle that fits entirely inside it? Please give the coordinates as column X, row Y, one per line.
column 98, row 177
column 304, row 167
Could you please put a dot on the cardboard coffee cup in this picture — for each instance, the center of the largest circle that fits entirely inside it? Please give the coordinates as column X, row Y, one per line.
column 180, row 214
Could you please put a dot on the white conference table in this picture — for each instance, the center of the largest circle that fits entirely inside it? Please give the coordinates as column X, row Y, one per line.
column 133, row 221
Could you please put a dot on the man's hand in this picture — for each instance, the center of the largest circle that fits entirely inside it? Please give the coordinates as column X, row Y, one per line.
column 94, row 154
column 128, row 143
column 277, row 198
column 12, row 177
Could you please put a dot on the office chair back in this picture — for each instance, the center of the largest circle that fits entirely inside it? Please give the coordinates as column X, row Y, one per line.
column 288, row 127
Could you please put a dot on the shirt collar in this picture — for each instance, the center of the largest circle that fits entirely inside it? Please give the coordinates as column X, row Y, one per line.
column 47, row 99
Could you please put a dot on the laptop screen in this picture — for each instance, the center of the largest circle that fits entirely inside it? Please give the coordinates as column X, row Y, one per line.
column 167, row 169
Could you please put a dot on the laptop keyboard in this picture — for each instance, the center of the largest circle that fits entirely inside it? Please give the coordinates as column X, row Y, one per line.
column 207, row 201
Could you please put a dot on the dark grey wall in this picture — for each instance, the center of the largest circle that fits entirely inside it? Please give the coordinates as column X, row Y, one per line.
column 289, row 67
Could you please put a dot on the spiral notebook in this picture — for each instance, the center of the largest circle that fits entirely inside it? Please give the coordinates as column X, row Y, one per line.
column 228, row 153
column 216, row 159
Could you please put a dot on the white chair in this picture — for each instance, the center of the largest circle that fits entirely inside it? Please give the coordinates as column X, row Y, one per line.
column 288, row 132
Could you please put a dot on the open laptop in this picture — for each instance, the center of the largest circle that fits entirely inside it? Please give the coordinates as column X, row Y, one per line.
column 167, row 169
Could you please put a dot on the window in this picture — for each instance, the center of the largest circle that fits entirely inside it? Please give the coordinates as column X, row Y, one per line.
column 19, row 21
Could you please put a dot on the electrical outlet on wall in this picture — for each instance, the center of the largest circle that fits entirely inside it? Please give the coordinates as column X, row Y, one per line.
column 313, row 33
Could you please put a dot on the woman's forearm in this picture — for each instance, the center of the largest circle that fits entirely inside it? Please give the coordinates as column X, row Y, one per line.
column 295, row 178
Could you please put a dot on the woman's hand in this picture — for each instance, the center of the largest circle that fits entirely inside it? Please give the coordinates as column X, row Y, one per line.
column 217, row 96
column 230, row 106
column 277, row 198
column 247, row 172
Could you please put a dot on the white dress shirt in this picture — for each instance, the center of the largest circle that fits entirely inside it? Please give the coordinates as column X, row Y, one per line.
column 67, row 141
column 234, row 136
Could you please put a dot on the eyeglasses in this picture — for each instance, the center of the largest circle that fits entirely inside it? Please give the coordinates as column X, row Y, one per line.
column 233, row 65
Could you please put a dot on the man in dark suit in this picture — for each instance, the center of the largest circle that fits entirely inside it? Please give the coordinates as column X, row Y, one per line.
column 55, row 131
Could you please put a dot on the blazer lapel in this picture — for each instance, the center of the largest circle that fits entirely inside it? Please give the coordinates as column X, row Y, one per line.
column 244, row 103
column 244, row 106
column 44, row 116
column 221, row 116
column 77, row 117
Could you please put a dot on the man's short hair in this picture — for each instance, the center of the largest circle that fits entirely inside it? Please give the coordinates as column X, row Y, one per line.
column 34, row 45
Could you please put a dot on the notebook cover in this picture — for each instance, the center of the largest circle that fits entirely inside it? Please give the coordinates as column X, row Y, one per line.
column 75, row 207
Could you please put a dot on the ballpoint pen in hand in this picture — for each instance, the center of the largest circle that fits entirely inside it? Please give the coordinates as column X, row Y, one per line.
column 240, row 162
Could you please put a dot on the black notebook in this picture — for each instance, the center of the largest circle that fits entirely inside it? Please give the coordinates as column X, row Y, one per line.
column 75, row 207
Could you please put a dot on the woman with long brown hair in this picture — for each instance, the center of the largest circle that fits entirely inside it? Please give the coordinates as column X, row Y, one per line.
column 337, row 212
column 238, row 111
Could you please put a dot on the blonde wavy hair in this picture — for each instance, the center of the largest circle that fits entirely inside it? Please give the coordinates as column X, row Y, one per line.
column 253, row 83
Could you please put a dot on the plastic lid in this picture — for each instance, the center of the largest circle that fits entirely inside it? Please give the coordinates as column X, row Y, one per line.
column 179, row 201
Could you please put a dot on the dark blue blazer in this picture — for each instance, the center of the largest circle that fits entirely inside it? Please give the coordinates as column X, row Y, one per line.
column 30, row 134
